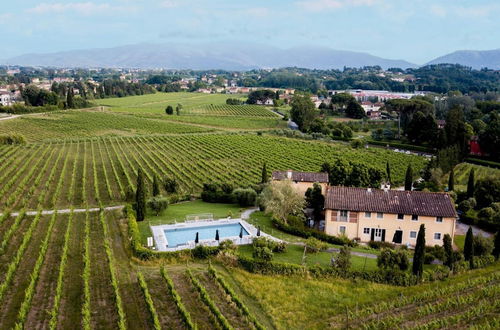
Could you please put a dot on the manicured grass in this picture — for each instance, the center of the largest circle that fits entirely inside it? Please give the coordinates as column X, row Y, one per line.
column 295, row 253
column 178, row 212
column 459, row 241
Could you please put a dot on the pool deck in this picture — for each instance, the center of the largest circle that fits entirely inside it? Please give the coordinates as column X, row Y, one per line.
column 161, row 241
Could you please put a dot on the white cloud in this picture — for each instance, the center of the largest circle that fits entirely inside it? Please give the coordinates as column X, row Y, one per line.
column 318, row 5
column 257, row 12
column 170, row 4
column 83, row 8
column 474, row 11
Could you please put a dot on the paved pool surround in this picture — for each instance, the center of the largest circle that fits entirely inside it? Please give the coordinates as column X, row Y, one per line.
column 182, row 235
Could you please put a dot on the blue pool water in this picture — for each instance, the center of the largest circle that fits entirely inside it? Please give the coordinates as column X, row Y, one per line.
column 179, row 236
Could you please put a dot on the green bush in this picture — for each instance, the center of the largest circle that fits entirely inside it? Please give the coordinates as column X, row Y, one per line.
column 272, row 245
column 393, row 259
column 306, row 233
column 245, row 196
column 380, row 245
column 12, row 139
column 314, row 245
column 482, row 246
column 263, row 253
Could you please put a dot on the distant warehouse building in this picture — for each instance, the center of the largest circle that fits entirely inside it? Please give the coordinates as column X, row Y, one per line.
column 385, row 215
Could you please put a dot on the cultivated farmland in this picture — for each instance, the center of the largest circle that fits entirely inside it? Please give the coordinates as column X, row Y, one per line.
column 82, row 172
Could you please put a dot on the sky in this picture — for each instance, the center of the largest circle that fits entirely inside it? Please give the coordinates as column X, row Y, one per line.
column 414, row 30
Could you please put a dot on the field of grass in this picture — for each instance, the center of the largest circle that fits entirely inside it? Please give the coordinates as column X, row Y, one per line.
column 156, row 103
column 231, row 110
column 298, row 303
column 102, row 170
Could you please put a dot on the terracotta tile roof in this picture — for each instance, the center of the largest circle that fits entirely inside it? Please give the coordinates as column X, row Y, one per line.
column 390, row 201
column 301, row 176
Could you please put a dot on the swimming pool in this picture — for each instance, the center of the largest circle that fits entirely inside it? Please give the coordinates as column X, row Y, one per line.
column 181, row 236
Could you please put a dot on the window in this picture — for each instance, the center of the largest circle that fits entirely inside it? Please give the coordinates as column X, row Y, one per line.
column 413, row 234
column 368, row 214
column 414, row 217
column 343, row 215
column 437, row 236
column 401, row 216
column 366, row 230
column 342, row 230
column 380, row 215
column 439, row 219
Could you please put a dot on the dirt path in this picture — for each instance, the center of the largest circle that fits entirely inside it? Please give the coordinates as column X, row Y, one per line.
column 65, row 211
column 9, row 117
column 461, row 229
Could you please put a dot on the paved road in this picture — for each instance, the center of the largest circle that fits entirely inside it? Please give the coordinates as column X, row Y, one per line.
column 9, row 117
column 63, row 211
column 461, row 229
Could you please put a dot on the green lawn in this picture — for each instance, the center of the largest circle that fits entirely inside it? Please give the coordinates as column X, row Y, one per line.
column 459, row 241
column 295, row 253
column 177, row 213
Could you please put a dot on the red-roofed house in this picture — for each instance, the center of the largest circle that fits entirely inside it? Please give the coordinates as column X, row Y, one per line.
column 395, row 216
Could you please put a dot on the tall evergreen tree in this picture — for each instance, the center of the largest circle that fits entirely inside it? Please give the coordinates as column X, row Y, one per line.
column 469, row 247
column 409, row 178
column 388, row 172
column 496, row 249
column 264, row 176
column 451, row 180
column 140, row 197
column 70, row 102
column 470, row 184
column 156, row 186
column 418, row 255
column 448, row 250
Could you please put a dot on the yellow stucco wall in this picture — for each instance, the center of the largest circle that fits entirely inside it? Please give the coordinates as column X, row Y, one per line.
column 390, row 223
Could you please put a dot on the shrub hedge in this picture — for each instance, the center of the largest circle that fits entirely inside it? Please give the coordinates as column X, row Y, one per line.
column 306, row 233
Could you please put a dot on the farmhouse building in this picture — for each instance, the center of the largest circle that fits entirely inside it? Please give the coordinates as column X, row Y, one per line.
column 302, row 180
column 388, row 215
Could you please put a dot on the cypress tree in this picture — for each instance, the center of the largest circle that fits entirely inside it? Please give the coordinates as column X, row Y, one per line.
column 496, row 250
column 470, row 184
column 451, row 180
column 409, row 178
column 388, row 172
column 418, row 256
column 469, row 247
column 448, row 250
column 140, row 197
column 70, row 103
column 264, row 177
column 156, row 186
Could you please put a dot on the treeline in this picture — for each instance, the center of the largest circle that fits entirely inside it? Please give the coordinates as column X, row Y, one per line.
column 440, row 78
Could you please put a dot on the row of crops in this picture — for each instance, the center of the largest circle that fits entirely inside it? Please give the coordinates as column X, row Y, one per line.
column 230, row 110
column 456, row 304
column 70, row 270
column 68, row 124
column 103, row 170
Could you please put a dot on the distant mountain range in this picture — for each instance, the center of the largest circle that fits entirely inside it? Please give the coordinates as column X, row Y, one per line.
column 476, row 59
column 231, row 56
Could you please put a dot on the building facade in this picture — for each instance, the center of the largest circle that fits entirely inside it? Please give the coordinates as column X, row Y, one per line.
column 388, row 215
column 301, row 181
